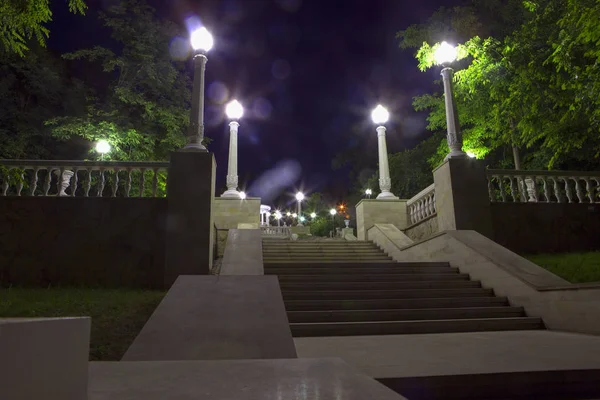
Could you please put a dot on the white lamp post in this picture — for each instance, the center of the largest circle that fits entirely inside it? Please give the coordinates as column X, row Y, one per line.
column 234, row 111
column 299, row 198
column 202, row 42
column 445, row 55
column 380, row 116
column 102, row 147
column 278, row 217
column 368, row 192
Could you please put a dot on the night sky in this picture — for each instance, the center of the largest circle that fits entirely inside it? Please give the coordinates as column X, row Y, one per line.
column 307, row 71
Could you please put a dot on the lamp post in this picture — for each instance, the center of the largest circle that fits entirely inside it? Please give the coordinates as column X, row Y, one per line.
column 202, row 42
column 234, row 111
column 278, row 217
column 368, row 192
column 380, row 116
column 102, row 147
column 299, row 198
column 332, row 212
column 445, row 55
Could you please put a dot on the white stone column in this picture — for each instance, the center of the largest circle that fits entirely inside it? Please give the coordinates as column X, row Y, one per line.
column 232, row 176
column 385, row 183
column 454, row 138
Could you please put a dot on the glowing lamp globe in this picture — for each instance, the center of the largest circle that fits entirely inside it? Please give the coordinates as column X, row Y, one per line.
column 380, row 115
column 102, row 147
column 302, row 219
column 289, row 214
column 445, row 54
column 234, row 110
column 332, row 211
column 278, row 215
column 368, row 192
column 295, row 215
column 242, row 195
column 313, row 215
column 299, row 196
column 201, row 39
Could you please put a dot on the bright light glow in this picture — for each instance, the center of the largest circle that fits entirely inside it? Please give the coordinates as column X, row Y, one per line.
column 201, row 39
column 368, row 192
column 445, row 54
column 288, row 214
column 342, row 207
column 380, row 115
column 313, row 215
column 299, row 196
column 242, row 195
column 302, row 219
column 102, row 146
column 471, row 154
column 332, row 211
column 278, row 214
column 234, row 110
column 295, row 215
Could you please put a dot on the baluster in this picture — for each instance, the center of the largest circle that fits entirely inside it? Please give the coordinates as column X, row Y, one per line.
column 142, row 181
column 434, row 203
column 531, row 185
column 411, row 214
column 491, row 190
column 596, row 190
column 578, row 190
column 431, row 204
column 5, row 183
column 115, row 183
column 155, row 182
column 501, row 188
column 546, row 190
column 34, row 181
column 75, row 182
column 567, row 189
column 589, row 189
column 512, row 189
column 88, row 184
column 20, row 186
column 557, row 192
column 425, row 207
column 128, row 186
column 48, row 181
column 59, row 181
column 522, row 189
column 101, row 183
column 419, row 217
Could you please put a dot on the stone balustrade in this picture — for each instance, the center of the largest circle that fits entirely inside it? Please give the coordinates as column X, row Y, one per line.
column 543, row 186
column 78, row 178
column 422, row 205
column 276, row 231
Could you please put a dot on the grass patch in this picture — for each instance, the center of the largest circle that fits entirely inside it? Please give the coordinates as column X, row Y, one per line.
column 117, row 314
column 574, row 267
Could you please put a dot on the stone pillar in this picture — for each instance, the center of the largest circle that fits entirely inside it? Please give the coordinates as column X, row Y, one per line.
column 370, row 212
column 461, row 194
column 453, row 136
column 232, row 172
column 190, row 230
column 385, row 183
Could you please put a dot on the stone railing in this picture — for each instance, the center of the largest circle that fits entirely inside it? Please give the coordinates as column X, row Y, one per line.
column 276, row 231
column 543, row 186
column 422, row 205
column 82, row 178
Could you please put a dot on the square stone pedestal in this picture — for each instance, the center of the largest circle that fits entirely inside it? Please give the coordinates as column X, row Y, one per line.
column 232, row 213
column 372, row 211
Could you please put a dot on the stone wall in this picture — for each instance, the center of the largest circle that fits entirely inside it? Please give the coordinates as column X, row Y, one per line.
column 371, row 211
column 528, row 228
column 104, row 242
column 423, row 229
column 229, row 212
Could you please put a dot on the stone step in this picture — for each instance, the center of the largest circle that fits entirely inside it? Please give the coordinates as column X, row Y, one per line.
column 321, row 251
column 309, row 286
column 412, row 327
column 381, row 304
column 367, row 268
column 361, row 278
column 324, row 257
column 384, row 294
column 331, row 264
column 403, row 315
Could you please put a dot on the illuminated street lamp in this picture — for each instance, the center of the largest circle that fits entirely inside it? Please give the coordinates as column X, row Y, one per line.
column 299, row 198
column 102, row 147
column 313, row 215
column 202, row 42
column 242, row 195
column 368, row 192
column 294, row 215
column 302, row 219
column 234, row 111
column 445, row 55
column 380, row 116
column 278, row 217
column 333, row 211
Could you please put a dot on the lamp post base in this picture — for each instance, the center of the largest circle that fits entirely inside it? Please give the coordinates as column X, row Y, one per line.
column 386, row 196
column 231, row 193
column 199, row 147
column 456, row 154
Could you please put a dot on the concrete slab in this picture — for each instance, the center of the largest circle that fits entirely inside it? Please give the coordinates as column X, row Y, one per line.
column 422, row 355
column 217, row 318
column 44, row 358
column 243, row 253
column 324, row 379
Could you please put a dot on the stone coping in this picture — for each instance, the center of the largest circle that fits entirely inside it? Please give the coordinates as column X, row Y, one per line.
column 420, row 222
column 380, row 201
column 236, row 198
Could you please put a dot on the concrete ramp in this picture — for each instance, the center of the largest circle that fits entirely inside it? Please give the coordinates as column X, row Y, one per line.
column 217, row 318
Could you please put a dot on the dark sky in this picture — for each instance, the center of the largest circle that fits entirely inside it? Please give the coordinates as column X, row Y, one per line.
column 307, row 71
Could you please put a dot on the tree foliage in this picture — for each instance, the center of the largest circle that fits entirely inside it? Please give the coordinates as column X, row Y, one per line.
column 24, row 20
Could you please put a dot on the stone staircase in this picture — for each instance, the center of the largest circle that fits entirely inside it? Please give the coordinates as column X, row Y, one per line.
column 339, row 288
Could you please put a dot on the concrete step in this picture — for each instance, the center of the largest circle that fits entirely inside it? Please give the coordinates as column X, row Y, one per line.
column 367, row 268
column 361, row 278
column 412, row 327
column 323, row 251
column 316, row 259
column 403, row 315
column 384, row 304
column 429, row 266
column 384, row 294
column 443, row 284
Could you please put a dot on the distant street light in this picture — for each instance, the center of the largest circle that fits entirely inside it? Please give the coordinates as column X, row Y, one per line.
column 242, row 195
column 302, row 219
column 294, row 215
column 299, row 198
column 368, row 192
column 313, row 215
column 278, row 217
column 333, row 211
column 102, row 147
column 288, row 214
column 445, row 56
column 380, row 116
column 202, row 42
column 234, row 111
